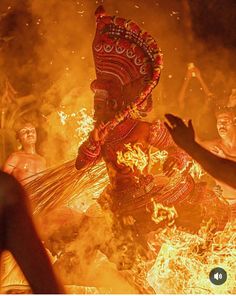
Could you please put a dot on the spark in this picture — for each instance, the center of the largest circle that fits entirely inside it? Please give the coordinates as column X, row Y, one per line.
column 63, row 117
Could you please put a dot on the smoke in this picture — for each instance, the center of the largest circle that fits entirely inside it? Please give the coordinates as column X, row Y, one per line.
column 46, row 51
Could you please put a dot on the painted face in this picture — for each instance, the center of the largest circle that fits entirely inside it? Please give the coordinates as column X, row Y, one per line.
column 225, row 124
column 103, row 112
column 27, row 135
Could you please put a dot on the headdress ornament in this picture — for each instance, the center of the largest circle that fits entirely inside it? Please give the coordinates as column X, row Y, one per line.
column 128, row 56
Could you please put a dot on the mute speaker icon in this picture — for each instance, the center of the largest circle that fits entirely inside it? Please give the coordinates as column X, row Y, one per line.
column 218, row 276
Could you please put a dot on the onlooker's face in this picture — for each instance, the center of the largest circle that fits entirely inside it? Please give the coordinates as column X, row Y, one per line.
column 27, row 135
column 225, row 125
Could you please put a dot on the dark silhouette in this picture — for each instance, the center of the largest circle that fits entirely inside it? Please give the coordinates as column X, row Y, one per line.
column 18, row 235
column 184, row 136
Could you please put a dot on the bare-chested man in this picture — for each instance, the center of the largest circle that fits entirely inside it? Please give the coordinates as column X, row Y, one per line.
column 225, row 146
column 26, row 163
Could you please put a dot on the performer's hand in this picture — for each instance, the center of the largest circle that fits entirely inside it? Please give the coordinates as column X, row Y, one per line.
column 182, row 134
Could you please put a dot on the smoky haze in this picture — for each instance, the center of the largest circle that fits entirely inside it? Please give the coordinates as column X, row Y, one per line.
column 45, row 50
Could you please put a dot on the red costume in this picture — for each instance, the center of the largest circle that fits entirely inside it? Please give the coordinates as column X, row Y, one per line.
column 128, row 64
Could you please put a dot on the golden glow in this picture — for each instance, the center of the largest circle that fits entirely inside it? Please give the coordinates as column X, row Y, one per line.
column 162, row 213
column 135, row 157
column 160, row 155
column 190, row 258
column 85, row 125
column 196, row 170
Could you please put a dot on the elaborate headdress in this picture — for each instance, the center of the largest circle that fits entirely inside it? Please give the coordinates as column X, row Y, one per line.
column 128, row 57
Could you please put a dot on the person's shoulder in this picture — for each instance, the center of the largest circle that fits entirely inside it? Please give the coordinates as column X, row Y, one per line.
column 210, row 143
column 15, row 155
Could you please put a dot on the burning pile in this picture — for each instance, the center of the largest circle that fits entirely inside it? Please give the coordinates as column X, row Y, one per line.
column 185, row 261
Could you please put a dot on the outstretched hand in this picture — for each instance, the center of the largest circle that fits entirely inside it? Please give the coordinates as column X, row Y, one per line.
column 182, row 134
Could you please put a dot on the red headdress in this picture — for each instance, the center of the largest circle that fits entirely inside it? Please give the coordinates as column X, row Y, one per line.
column 128, row 57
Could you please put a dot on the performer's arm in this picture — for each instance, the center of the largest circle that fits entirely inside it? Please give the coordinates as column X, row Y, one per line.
column 90, row 151
column 88, row 154
column 160, row 138
column 22, row 240
column 222, row 169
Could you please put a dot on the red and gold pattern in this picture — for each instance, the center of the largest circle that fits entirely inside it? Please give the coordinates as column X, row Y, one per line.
column 125, row 54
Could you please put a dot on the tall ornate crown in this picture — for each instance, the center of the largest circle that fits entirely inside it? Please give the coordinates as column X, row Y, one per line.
column 123, row 51
column 127, row 55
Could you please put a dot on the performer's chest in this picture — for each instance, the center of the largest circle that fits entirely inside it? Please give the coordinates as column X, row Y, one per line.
column 116, row 151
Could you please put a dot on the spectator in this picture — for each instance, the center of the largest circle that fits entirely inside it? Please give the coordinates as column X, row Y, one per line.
column 184, row 136
column 26, row 163
column 18, row 235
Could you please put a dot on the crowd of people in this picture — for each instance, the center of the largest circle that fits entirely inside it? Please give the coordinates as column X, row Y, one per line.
column 136, row 202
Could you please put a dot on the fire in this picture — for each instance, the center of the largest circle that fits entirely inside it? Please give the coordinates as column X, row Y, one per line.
column 162, row 213
column 84, row 122
column 160, row 155
column 135, row 157
column 85, row 125
column 196, row 170
column 193, row 168
column 189, row 258
column 63, row 117
column 75, row 126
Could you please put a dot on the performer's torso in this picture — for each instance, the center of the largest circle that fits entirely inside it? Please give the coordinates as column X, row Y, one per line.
column 123, row 140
